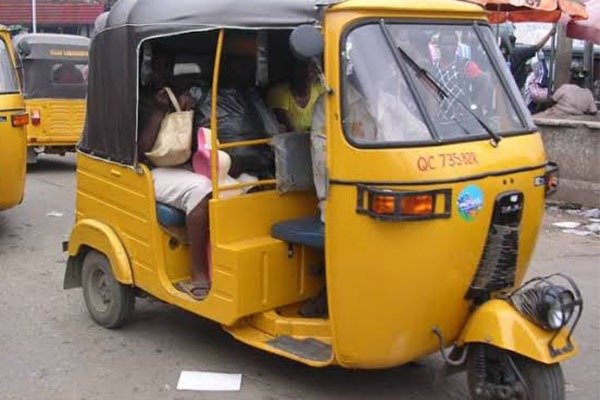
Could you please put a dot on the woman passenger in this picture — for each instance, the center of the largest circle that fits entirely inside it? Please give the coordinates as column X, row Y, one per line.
column 178, row 187
column 293, row 102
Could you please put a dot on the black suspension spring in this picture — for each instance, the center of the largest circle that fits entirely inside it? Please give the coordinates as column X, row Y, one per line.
column 480, row 367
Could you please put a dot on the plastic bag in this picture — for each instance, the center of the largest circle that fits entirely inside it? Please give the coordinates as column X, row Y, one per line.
column 293, row 162
column 242, row 115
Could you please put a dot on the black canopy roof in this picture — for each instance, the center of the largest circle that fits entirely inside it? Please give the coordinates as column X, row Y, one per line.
column 50, row 46
column 113, row 75
column 156, row 15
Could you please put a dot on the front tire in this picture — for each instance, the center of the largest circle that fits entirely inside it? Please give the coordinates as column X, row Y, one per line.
column 491, row 375
column 109, row 303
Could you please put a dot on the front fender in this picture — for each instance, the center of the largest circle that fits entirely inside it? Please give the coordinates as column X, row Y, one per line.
column 498, row 324
column 98, row 236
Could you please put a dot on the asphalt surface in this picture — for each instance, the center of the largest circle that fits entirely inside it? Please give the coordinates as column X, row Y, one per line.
column 50, row 349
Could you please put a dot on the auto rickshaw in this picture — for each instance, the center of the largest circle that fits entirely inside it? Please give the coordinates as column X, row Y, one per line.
column 13, row 119
column 53, row 71
column 431, row 219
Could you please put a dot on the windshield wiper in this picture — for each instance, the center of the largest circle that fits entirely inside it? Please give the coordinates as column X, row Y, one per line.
column 411, row 85
column 422, row 73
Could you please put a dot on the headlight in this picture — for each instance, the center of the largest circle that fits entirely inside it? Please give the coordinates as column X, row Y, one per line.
column 549, row 306
column 557, row 304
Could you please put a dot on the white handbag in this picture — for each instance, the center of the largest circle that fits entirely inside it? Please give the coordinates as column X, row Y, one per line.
column 173, row 145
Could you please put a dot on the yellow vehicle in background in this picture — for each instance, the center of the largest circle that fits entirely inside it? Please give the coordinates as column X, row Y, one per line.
column 53, row 70
column 13, row 119
column 435, row 191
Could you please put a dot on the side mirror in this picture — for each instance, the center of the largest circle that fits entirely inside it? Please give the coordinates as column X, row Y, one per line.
column 306, row 42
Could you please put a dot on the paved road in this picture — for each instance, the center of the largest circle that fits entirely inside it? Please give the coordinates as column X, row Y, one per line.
column 50, row 349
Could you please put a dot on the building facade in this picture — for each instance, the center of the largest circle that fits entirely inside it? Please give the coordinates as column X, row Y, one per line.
column 53, row 16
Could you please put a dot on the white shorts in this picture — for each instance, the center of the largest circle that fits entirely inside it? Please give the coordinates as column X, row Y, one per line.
column 180, row 188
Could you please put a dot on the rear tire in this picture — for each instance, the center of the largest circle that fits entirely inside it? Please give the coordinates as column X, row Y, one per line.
column 542, row 381
column 109, row 303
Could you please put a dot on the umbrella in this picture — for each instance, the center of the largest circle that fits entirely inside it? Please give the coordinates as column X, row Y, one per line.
column 532, row 10
column 589, row 29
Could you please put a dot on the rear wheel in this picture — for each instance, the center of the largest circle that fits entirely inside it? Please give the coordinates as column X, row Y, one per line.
column 109, row 303
column 495, row 374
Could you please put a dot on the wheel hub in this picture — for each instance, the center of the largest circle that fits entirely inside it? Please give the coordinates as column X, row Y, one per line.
column 100, row 291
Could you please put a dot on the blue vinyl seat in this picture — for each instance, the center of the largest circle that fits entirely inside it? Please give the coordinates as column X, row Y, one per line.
column 305, row 231
column 170, row 217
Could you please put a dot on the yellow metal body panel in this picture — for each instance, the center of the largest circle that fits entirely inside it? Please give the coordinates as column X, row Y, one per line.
column 105, row 241
column 251, row 271
column 498, row 324
column 247, row 333
column 390, row 283
column 13, row 144
column 259, row 329
column 274, row 323
column 61, row 122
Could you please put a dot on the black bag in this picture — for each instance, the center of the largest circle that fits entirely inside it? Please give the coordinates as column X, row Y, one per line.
column 241, row 115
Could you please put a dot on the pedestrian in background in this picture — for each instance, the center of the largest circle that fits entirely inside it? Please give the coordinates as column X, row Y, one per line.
column 520, row 54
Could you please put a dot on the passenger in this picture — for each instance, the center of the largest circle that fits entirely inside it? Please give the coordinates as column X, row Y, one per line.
column 178, row 187
column 293, row 102
column 574, row 98
column 68, row 73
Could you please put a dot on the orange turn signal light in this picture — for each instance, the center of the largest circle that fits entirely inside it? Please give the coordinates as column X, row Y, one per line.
column 421, row 204
column 416, row 205
column 383, row 205
column 20, row 119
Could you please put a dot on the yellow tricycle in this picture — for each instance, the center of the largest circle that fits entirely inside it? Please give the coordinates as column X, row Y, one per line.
column 430, row 174
column 13, row 119
column 53, row 70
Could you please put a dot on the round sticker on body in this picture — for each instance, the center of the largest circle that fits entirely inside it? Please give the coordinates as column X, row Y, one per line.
column 469, row 202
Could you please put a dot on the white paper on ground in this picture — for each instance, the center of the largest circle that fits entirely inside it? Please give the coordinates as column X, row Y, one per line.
column 209, row 381
column 567, row 224
column 577, row 232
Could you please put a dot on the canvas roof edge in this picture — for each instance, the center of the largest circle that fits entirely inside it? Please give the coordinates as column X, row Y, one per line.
column 233, row 13
column 52, row 38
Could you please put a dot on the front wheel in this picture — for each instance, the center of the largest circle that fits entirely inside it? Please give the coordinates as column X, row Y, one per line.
column 496, row 374
column 109, row 303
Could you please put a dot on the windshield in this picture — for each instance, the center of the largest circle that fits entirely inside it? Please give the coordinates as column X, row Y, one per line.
column 8, row 77
column 423, row 82
column 54, row 79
